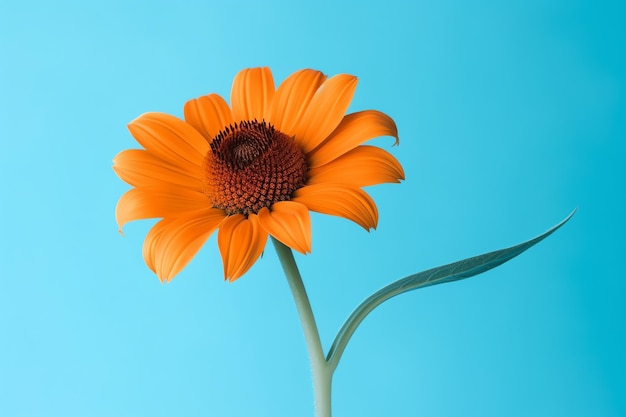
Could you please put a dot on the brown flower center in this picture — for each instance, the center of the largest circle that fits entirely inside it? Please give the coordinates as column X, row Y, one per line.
column 251, row 165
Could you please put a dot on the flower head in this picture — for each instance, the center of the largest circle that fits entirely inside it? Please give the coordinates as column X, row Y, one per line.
column 253, row 169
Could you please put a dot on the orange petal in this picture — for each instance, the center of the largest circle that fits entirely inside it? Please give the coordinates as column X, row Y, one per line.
column 293, row 97
column 169, row 138
column 151, row 240
column 141, row 168
column 208, row 114
column 325, row 111
column 241, row 242
column 362, row 166
column 252, row 94
column 290, row 223
column 353, row 130
column 339, row 200
column 152, row 202
column 173, row 242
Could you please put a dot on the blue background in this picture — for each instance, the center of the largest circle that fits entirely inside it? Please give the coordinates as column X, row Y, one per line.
column 510, row 114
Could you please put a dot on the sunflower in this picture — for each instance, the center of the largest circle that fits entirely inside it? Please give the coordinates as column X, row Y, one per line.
column 253, row 169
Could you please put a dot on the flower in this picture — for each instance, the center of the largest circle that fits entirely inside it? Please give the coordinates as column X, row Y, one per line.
column 253, row 169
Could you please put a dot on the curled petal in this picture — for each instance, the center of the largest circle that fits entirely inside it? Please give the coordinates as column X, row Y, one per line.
column 208, row 114
column 174, row 241
column 360, row 167
column 290, row 223
column 293, row 97
column 241, row 241
column 169, row 138
column 354, row 129
column 340, row 200
column 325, row 111
column 153, row 202
column 252, row 94
column 142, row 169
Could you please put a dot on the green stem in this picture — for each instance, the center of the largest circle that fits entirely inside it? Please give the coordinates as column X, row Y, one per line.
column 322, row 374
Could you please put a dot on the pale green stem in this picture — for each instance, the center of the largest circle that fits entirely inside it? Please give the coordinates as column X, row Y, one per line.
column 322, row 374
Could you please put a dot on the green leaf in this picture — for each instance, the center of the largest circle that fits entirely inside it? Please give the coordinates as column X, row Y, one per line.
column 447, row 273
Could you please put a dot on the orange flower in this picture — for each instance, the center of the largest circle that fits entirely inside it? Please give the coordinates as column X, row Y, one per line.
column 253, row 169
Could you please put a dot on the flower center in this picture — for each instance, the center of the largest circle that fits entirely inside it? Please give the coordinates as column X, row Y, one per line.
column 251, row 165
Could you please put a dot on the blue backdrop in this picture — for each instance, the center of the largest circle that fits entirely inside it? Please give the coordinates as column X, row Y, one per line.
column 510, row 114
